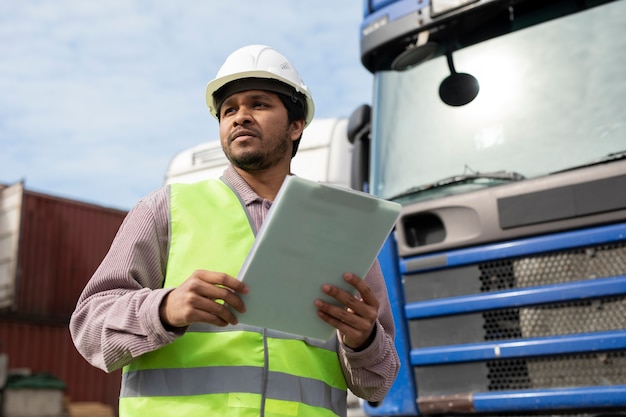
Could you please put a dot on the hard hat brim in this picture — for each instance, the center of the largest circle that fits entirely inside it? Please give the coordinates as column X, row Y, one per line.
column 215, row 85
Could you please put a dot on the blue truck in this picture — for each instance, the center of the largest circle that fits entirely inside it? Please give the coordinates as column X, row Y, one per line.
column 500, row 125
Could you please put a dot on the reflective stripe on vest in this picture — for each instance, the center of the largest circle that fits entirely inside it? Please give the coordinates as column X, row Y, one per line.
column 234, row 370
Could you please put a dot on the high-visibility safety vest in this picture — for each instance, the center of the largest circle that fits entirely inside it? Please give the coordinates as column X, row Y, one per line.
column 234, row 370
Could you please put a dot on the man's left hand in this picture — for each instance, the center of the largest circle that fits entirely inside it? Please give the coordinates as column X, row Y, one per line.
column 357, row 319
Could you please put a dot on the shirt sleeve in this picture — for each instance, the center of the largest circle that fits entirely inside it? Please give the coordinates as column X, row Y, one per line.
column 371, row 371
column 117, row 315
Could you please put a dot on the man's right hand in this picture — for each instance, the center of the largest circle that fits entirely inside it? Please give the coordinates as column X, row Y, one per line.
column 205, row 297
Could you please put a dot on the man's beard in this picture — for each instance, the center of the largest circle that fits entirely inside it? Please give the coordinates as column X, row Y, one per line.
column 260, row 159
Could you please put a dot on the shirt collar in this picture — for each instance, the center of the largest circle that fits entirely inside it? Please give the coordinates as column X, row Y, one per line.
column 247, row 194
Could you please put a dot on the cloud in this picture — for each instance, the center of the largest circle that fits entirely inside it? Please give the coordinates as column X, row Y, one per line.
column 97, row 97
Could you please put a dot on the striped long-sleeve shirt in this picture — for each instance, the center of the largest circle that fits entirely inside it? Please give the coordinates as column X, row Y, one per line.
column 117, row 316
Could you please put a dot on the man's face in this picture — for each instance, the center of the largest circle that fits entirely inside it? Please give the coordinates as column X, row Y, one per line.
column 255, row 131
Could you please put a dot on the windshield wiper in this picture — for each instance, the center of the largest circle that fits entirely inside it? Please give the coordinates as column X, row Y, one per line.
column 611, row 157
column 458, row 179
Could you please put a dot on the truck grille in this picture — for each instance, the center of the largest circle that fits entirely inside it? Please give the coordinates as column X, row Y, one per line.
column 565, row 318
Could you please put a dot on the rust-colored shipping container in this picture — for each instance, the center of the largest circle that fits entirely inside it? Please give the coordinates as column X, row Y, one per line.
column 48, row 348
column 49, row 248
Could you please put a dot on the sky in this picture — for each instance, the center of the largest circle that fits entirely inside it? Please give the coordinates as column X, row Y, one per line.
column 96, row 98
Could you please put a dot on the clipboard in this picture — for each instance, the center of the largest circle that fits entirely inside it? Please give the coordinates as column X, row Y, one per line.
column 313, row 234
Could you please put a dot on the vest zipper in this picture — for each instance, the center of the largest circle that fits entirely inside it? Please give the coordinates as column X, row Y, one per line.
column 265, row 373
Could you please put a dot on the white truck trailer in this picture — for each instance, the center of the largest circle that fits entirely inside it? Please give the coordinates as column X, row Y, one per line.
column 324, row 155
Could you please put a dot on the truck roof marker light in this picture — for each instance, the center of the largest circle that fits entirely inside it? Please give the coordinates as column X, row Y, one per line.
column 458, row 88
column 416, row 53
column 440, row 7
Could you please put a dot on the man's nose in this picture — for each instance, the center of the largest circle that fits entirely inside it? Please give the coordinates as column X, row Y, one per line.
column 243, row 116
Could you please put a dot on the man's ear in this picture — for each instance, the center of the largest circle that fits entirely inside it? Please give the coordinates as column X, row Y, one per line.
column 297, row 127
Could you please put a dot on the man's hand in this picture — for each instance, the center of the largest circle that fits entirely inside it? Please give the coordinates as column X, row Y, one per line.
column 204, row 297
column 355, row 322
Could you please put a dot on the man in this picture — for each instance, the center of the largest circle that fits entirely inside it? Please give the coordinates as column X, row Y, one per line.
column 161, row 303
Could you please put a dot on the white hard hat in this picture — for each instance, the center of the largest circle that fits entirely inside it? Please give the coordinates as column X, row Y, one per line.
column 261, row 63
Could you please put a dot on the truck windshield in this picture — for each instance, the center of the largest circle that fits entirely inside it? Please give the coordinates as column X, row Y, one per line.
column 552, row 98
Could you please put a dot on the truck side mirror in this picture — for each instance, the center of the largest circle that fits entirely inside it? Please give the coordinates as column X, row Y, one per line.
column 359, row 122
column 359, row 130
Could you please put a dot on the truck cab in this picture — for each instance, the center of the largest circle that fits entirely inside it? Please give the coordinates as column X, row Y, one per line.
column 500, row 126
